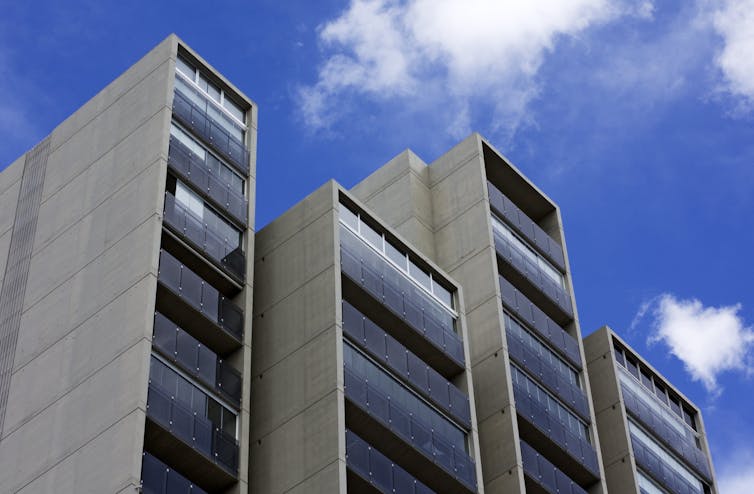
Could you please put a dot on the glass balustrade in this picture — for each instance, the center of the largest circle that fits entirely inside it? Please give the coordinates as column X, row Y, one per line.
column 553, row 420
column 197, row 171
column 538, row 321
column 521, row 260
column 222, row 250
column 651, row 458
column 377, row 469
column 405, row 364
column 505, row 208
column 541, row 362
column 663, row 424
column 545, row 474
column 158, row 478
column 401, row 295
column 196, row 359
column 191, row 428
column 452, row 459
column 200, row 295
column 210, row 129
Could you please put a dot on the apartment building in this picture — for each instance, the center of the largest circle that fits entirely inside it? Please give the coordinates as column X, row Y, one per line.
column 654, row 440
column 360, row 377
column 415, row 334
column 125, row 350
column 484, row 223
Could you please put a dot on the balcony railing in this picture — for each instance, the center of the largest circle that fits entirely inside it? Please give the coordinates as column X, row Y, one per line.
column 389, row 286
column 648, row 461
column 552, row 427
column 200, row 296
column 158, row 478
column 211, row 131
column 192, row 429
column 504, row 208
column 222, row 252
column 521, row 263
column 455, row 461
column 543, row 325
column 196, row 359
column 545, row 474
column 404, row 363
column 377, row 469
column 194, row 170
column 683, row 445
column 536, row 366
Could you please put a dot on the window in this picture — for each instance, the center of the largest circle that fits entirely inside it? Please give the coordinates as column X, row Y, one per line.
column 219, row 170
column 646, row 380
column 397, row 257
column 556, row 409
column 632, row 367
column 517, row 330
column 523, row 248
column 619, row 356
column 219, row 226
column 660, row 392
column 210, row 89
column 408, row 400
column 191, row 396
column 668, row 460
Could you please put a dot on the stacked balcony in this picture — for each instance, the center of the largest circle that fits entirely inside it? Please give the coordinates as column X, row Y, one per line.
column 527, row 255
column 401, row 353
column 673, row 433
column 548, row 423
column 195, row 390
column 209, row 129
column 429, row 323
column 541, row 472
column 198, row 307
column 158, row 478
column 369, row 469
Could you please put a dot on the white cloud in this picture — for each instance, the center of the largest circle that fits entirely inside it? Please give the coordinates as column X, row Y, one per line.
column 708, row 340
column 460, row 53
column 735, row 24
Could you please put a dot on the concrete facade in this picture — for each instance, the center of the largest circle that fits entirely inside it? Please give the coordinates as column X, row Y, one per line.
column 77, row 387
column 444, row 209
column 301, row 411
column 606, row 355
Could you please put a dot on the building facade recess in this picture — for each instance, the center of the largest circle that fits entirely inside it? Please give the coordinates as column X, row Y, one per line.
column 658, row 443
column 126, row 287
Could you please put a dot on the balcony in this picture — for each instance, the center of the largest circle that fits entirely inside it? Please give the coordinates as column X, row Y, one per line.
column 505, row 208
column 555, row 382
column 192, row 442
column 195, row 171
column 541, row 428
column 158, row 478
column 545, row 475
column 683, row 445
column 649, row 462
column 544, row 291
column 370, row 470
column 198, row 307
column 211, row 131
column 537, row 320
column 447, row 468
column 202, row 238
column 196, row 359
column 405, row 364
column 432, row 335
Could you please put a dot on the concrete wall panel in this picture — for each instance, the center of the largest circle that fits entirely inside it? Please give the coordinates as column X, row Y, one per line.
column 75, row 420
column 82, row 295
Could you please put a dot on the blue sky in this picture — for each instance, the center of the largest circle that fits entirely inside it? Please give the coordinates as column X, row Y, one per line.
column 636, row 117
